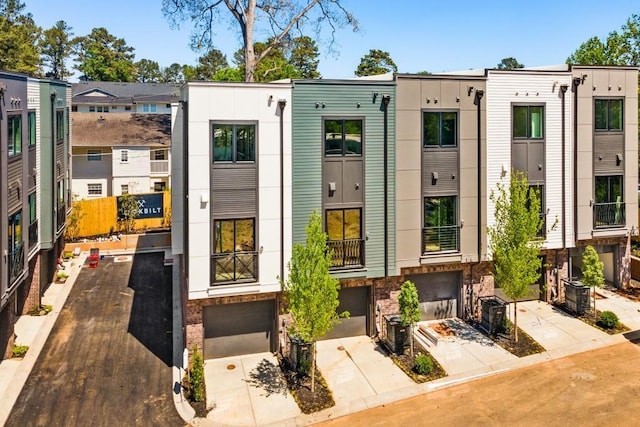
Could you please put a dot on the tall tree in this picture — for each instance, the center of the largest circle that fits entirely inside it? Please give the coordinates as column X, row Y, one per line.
column 102, row 56
column 509, row 63
column 229, row 75
column 274, row 66
column 56, row 48
column 147, row 71
column 277, row 17
column 210, row 64
column 409, row 308
column 172, row 74
column 375, row 62
column 311, row 292
column 19, row 37
column 304, row 57
column 513, row 239
column 592, row 272
column 619, row 48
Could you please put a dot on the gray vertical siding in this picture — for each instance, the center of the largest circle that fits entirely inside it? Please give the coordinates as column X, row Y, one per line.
column 355, row 99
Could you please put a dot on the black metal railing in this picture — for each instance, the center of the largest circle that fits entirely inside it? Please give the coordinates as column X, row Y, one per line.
column 607, row 215
column 16, row 263
column 441, row 239
column 33, row 234
column 347, row 253
column 234, row 267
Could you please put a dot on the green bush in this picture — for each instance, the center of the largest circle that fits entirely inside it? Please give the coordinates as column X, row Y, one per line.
column 608, row 319
column 423, row 364
column 19, row 350
column 196, row 376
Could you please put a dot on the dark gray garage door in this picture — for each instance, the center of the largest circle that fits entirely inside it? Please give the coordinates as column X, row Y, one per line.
column 355, row 301
column 439, row 294
column 242, row 328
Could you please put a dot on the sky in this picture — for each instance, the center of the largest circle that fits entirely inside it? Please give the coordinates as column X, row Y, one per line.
column 420, row 35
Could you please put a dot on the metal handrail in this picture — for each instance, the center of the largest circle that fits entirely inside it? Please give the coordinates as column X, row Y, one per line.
column 606, row 215
column 441, row 239
column 234, row 267
column 348, row 253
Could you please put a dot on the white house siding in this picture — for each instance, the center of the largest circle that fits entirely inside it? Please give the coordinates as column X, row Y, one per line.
column 80, row 188
column 33, row 103
column 234, row 102
column 505, row 88
column 161, row 108
column 90, row 172
column 133, row 172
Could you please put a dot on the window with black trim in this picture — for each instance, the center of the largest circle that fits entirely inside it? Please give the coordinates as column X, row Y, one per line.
column 31, row 123
column 16, row 247
column 538, row 190
column 94, row 189
column 14, row 129
column 609, row 207
column 234, row 258
column 343, row 137
column 440, row 128
column 344, row 237
column 124, row 156
column 33, row 220
column 234, row 143
column 528, row 121
column 441, row 232
column 609, row 115
column 59, row 125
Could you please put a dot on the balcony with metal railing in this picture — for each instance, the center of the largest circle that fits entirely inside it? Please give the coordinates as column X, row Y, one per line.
column 608, row 215
column 16, row 263
column 347, row 253
column 159, row 167
column 61, row 217
column 234, row 267
column 441, row 239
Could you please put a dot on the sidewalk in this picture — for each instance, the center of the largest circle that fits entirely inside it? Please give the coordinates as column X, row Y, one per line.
column 33, row 332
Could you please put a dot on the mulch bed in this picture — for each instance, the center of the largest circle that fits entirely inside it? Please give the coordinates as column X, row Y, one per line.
column 404, row 362
column 525, row 346
column 199, row 407
column 589, row 320
column 299, row 386
column 632, row 292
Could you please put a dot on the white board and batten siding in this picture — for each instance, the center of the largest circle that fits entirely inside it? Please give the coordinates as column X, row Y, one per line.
column 33, row 103
column 505, row 89
column 211, row 102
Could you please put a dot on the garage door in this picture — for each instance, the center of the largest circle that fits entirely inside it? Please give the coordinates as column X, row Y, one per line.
column 438, row 294
column 234, row 329
column 355, row 301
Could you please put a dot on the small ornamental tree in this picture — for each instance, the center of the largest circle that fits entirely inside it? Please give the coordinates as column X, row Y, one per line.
column 311, row 292
column 514, row 240
column 409, row 308
column 592, row 272
column 74, row 220
column 128, row 212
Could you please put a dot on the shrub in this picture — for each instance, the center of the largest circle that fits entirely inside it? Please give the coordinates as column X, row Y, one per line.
column 608, row 319
column 196, row 376
column 423, row 364
column 19, row 350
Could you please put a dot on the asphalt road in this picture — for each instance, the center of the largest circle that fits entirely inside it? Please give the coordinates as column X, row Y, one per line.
column 107, row 361
column 596, row 388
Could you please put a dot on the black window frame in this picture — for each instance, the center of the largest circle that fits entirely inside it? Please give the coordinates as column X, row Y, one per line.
column 14, row 139
column 447, row 233
column 234, row 143
column 238, row 254
column 608, row 127
column 438, row 114
column 343, row 149
column 542, row 233
column 528, row 136
column 347, row 252
column 60, row 125
column 31, row 128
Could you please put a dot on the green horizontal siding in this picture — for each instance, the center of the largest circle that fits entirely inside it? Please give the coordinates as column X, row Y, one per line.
column 341, row 99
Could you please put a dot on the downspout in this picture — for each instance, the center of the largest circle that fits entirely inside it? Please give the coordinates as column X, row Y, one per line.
column 386, row 99
column 479, row 95
column 577, row 81
column 563, row 92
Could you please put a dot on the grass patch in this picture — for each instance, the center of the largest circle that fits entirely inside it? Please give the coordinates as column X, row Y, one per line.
column 41, row 310
column 19, row 350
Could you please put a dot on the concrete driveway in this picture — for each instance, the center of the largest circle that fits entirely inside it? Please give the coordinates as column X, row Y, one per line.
column 107, row 360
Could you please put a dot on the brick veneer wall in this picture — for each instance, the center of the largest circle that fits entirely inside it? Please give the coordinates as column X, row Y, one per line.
column 30, row 289
column 7, row 330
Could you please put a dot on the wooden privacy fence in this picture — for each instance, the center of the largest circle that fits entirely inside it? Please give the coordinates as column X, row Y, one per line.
column 99, row 217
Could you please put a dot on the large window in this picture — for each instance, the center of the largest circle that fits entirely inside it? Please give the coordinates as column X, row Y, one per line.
column 94, row 155
column 343, row 137
column 441, row 230
column 234, row 251
column 16, row 250
column 609, row 207
column 149, row 108
column 33, row 220
column 528, row 121
column 608, row 115
column 440, row 129
column 59, row 125
column 94, row 189
column 14, row 127
column 234, row 142
column 344, row 237
column 31, row 121
column 538, row 190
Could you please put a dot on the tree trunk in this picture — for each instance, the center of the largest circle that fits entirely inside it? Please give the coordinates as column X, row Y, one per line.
column 515, row 319
column 411, row 339
column 249, row 53
column 595, row 313
column 313, row 367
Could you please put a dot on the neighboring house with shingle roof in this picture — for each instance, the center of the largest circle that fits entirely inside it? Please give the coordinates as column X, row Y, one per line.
column 122, row 138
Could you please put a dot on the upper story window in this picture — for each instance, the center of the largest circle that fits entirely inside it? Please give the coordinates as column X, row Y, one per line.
column 609, row 208
column 124, row 156
column 94, row 155
column 608, row 114
column 31, row 122
column 159, row 155
column 538, row 190
column 94, row 189
column 59, row 125
column 234, row 251
column 441, row 231
column 344, row 237
column 528, row 121
column 234, row 142
column 14, row 127
column 343, row 137
column 149, row 108
column 124, row 189
column 440, row 128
